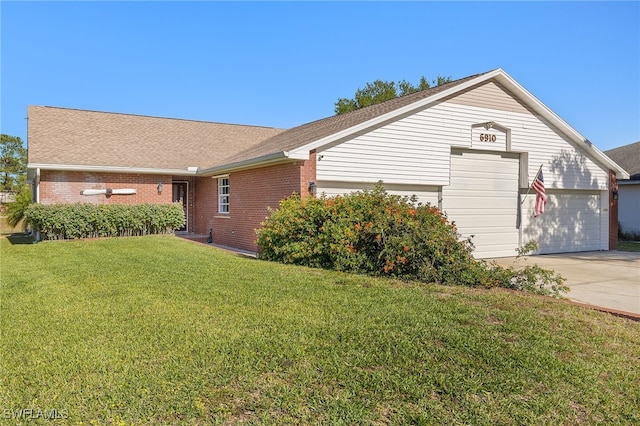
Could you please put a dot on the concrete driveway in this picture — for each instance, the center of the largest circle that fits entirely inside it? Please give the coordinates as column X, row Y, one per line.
column 605, row 279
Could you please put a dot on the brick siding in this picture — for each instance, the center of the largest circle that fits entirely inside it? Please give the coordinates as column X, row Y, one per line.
column 251, row 193
column 65, row 187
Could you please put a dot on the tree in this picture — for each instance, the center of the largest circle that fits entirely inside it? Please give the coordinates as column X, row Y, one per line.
column 380, row 91
column 13, row 159
column 15, row 210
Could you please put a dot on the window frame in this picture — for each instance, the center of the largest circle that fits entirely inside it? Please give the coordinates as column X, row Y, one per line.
column 224, row 197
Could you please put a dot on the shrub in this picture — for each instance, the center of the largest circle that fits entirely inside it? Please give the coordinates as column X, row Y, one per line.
column 377, row 233
column 626, row 235
column 16, row 209
column 71, row 221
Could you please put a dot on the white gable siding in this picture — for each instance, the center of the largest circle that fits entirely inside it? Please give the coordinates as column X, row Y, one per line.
column 415, row 149
column 408, row 151
column 490, row 96
column 424, row 194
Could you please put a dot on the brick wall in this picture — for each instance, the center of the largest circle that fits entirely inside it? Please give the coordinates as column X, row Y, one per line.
column 251, row 193
column 65, row 187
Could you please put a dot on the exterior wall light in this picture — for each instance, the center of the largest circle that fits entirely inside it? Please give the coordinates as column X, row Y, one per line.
column 313, row 188
column 160, row 188
column 615, row 194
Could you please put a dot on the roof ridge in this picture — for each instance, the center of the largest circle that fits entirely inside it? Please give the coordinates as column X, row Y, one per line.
column 154, row 116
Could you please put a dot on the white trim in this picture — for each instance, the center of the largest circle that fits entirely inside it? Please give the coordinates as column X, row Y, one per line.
column 264, row 160
column 37, row 185
column 500, row 76
column 395, row 113
column 111, row 169
column 530, row 100
column 227, row 194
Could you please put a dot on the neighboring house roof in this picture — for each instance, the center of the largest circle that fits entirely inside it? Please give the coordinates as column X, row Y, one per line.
column 627, row 156
column 70, row 138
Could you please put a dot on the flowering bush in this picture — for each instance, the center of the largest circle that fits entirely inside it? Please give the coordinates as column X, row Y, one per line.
column 377, row 233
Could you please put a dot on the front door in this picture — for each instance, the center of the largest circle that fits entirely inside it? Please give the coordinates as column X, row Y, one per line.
column 180, row 195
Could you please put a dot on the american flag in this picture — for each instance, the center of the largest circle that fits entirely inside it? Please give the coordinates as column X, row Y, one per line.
column 541, row 198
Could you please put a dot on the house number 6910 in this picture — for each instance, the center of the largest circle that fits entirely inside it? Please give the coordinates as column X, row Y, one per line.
column 485, row 137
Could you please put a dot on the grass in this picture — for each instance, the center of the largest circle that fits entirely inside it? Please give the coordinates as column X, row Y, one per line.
column 158, row 330
column 629, row 245
column 5, row 228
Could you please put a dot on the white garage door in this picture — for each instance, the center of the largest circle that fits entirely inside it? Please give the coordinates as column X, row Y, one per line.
column 482, row 199
column 571, row 222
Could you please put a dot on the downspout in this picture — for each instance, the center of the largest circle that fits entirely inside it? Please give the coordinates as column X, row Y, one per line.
column 36, row 196
column 37, row 186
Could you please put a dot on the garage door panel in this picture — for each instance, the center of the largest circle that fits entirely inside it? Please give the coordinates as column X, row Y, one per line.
column 482, row 200
column 478, row 203
column 570, row 222
column 486, row 223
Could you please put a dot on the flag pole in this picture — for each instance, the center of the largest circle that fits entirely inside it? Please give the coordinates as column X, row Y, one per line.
column 534, row 179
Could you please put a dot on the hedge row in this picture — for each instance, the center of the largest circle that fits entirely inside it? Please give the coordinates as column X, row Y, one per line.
column 82, row 220
column 376, row 233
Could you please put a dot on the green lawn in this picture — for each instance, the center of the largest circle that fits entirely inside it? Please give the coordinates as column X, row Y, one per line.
column 158, row 330
column 629, row 245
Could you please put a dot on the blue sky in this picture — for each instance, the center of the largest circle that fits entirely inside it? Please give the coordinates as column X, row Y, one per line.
column 282, row 64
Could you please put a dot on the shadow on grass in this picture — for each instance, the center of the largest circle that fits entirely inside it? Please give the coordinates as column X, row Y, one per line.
column 20, row 238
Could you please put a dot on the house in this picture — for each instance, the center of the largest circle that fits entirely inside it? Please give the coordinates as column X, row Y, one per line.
column 628, row 156
column 471, row 147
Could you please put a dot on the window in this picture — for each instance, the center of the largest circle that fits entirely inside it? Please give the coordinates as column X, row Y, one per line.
column 223, row 195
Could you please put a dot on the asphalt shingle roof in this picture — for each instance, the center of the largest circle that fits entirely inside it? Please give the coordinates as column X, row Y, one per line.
column 627, row 156
column 65, row 136
column 310, row 132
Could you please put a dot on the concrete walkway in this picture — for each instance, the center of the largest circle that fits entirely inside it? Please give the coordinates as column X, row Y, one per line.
column 605, row 279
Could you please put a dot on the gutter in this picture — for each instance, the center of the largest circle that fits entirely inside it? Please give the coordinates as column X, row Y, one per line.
column 263, row 160
column 189, row 171
column 37, row 181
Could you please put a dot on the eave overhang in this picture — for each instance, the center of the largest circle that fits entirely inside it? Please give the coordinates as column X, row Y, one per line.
column 501, row 77
column 251, row 163
column 190, row 171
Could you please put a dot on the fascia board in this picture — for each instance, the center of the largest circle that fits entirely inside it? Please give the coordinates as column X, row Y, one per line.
column 111, row 169
column 628, row 182
column 553, row 118
column 506, row 80
column 264, row 160
column 395, row 113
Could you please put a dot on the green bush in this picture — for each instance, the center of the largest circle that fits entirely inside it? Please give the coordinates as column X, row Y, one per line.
column 626, row 235
column 377, row 233
column 72, row 221
column 16, row 209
